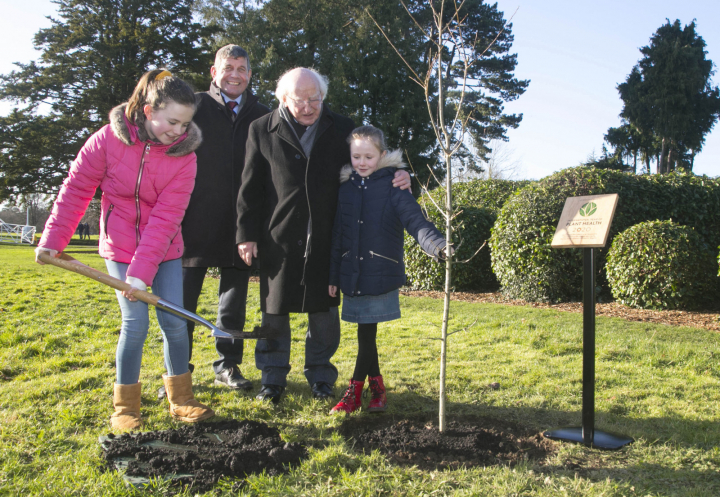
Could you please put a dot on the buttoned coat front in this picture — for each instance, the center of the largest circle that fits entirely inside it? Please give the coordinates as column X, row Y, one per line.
column 210, row 220
column 287, row 205
column 368, row 234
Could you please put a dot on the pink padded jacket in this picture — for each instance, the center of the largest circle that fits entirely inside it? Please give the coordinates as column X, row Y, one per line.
column 145, row 190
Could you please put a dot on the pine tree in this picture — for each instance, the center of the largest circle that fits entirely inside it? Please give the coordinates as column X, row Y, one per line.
column 668, row 95
column 92, row 56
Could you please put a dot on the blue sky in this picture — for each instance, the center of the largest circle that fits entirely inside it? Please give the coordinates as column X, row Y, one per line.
column 574, row 53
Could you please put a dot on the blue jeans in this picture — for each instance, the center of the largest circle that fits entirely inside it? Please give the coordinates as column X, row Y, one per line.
column 135, row 323
column 322, row 339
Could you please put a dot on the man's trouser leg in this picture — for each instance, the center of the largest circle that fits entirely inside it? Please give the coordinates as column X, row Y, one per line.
column 193, row 278
column 232, row 299
column 272, row 356
column 321, row 343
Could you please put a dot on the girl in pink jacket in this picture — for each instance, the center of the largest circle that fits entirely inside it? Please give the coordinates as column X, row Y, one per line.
column 144, row 163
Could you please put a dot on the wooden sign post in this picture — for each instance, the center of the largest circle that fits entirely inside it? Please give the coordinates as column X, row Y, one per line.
column 585, row 223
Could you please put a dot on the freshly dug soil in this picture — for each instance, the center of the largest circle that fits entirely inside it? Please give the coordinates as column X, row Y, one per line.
column 207, row 451
column 467, row 442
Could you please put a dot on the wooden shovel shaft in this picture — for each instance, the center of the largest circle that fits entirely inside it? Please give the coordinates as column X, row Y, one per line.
column 67, row 262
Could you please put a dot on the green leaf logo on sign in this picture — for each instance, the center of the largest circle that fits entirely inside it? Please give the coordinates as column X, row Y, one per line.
column 588, row 209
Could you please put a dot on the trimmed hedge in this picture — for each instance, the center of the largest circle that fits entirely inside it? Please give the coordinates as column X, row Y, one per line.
column 529, row 269
column 480, row 200
column 661, row 265
column 472, row 229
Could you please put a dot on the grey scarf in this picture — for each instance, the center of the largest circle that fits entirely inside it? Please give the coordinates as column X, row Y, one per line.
column 308, row 139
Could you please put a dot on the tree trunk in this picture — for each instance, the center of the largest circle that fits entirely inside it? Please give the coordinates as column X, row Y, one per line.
column 662, row 164
column 446, row 305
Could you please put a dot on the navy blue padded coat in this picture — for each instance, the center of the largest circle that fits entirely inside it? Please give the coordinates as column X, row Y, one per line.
column 367, row 243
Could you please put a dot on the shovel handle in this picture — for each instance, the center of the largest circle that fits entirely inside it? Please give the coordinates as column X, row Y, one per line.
column 66, row 261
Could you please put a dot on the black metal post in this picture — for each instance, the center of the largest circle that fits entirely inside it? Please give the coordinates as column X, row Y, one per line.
column 588, row 396
column 587, row 434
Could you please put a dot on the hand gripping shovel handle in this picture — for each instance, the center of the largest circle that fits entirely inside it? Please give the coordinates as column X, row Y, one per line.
column 67, row 262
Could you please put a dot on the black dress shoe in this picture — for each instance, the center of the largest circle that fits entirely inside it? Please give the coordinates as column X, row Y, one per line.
column 232, row 378
column 270, row 393
column 322, row 390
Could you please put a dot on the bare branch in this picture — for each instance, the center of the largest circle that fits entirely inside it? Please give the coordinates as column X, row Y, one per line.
column 417, row 77
column 470, row 258
column 415, row 20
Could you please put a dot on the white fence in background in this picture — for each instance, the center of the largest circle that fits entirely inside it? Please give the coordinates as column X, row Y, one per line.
column 16, row 233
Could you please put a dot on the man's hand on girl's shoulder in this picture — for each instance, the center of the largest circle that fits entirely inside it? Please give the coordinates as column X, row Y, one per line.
column 402, row 180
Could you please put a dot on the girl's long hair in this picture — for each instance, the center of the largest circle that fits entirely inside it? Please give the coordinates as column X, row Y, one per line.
column 158, row 93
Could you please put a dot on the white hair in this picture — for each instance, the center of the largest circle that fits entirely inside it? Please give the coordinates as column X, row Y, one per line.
column 285, row 83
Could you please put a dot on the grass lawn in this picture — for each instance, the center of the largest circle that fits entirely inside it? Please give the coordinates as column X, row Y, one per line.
column 658, row 384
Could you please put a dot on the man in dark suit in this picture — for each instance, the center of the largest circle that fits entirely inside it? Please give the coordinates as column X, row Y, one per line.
column 224, row 114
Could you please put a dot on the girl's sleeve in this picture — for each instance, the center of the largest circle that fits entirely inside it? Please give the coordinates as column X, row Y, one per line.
column 336, row 248
column 164, row 221
column 414, row 222
column 85, row 175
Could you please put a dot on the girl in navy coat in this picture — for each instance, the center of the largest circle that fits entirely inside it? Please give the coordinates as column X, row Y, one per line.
column 367, row 253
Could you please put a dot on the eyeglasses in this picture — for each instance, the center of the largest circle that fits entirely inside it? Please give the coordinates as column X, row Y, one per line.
column 314, row 102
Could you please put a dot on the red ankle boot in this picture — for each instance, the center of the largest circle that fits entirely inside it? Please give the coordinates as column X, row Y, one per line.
column 351, row 400
column 378, row 402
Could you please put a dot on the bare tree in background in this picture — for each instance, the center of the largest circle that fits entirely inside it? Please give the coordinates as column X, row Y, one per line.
column 451, row 81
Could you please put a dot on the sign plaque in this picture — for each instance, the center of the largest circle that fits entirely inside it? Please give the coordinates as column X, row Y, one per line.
column 585, row 221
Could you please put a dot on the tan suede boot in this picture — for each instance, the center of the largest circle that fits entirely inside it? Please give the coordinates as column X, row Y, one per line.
column 183, row 405
column 126, row 399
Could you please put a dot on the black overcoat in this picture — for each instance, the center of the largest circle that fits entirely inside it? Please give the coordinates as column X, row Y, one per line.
column 210, row 220
column 287, row 205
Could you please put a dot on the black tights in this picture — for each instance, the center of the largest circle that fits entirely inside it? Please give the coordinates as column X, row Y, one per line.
column 367, row 359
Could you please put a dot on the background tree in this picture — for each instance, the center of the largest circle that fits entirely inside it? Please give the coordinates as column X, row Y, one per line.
column 92, row 56
column 368, row 82
column 669, row 96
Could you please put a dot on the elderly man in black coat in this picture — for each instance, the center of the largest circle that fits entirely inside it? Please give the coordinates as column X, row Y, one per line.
column 286, row 208
column 224, row 114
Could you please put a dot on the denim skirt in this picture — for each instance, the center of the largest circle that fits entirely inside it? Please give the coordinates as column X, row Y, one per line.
column 371, row 308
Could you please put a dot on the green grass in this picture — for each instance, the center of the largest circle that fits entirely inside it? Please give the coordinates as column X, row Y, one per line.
column 656, row 383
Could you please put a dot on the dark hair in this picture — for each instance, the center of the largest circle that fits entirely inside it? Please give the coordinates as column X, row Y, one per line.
column 158, row 93
column 369, row 133
column 231, row 52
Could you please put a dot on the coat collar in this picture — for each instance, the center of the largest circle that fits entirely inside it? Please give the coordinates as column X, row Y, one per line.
column 248, row 98
column 392, row 159
column 276, row 124
column 130, row 134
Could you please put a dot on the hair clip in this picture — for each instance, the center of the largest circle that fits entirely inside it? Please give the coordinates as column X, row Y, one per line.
column 163, row 75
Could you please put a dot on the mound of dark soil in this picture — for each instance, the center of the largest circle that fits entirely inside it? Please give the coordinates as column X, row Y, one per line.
column 468, row 442
column 199, row 455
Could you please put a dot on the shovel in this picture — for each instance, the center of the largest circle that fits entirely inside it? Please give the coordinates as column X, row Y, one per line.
column 67, row 262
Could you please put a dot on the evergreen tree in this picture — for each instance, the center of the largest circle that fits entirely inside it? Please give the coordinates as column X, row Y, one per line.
column 669, row 96
column 92, row 57
column 368, row 81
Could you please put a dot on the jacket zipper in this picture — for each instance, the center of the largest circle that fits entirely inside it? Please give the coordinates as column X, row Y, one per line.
column 107, row 218
column 137, row 195
column 372, row 254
